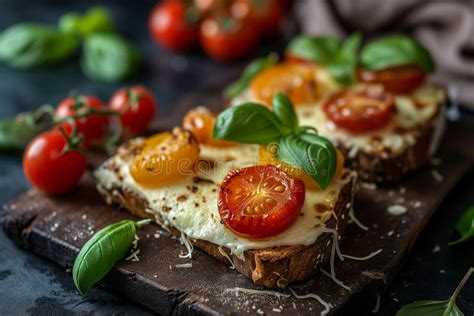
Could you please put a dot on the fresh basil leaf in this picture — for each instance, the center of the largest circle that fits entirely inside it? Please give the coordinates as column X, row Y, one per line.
column 100, row 253
column 344, row 62
column 396, row 50
column 285, row 112
column 312, row 153
column 28, row 45
column 430, row 308
column 320, row 49
column 465, row 226
column 96, row 20
column 108, row 57
column 248, row 74
column 16, row 133
column 249, row 123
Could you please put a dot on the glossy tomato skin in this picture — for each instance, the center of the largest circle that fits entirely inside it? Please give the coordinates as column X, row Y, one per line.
column 260, row 201
column 266, row 15
column 360, row 111
column 227, row 39
column 168, row 26
column 400, row 79
column 48, row 167
column 137, row 108
column 94, row 127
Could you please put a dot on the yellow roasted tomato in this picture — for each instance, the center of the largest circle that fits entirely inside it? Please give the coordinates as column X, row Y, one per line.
column 165, row 158
column 297, row 81
column 200, row 121
column 266, row 157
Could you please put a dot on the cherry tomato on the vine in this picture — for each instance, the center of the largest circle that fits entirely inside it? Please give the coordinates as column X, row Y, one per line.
column 266, row 15
column 171, row 24
column 48, row 167
column 225, row 38
column 137, row 108
column 93, row 127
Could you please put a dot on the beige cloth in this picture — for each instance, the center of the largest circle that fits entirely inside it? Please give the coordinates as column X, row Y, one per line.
column 445, row 27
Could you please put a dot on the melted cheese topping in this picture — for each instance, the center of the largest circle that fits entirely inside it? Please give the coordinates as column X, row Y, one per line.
column 190, row 205
column 412, row 113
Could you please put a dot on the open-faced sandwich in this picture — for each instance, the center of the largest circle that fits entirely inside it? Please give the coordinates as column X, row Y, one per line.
column 375, row 106
column 251, row 187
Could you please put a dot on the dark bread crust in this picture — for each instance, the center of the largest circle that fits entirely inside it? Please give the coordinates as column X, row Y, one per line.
column 270, row 267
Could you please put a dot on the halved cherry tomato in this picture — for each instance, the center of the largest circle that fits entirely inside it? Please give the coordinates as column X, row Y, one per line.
column 400, row 79
column 225, row 38
column 297, row 81
column 93, row 127
column 48, row 167
column 360, row 110
column 260, row 201
column 136, row 106
column 170, row 26
column 266, row 15
column 165, row 158
column 200, row 121
column 266, row 157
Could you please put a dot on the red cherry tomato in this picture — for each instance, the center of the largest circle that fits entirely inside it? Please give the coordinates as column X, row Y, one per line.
column 170, row 27
column 226, row 39
column 401, row 79
column 260, row 201
column 360, row 110
column 137, row 108
column 266, row 15
column 93, row 127
column 48, row 167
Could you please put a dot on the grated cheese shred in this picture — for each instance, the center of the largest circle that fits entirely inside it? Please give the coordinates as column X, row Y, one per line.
column 369, row 256
column 327, row 306
column 224, row 254
column 184, row 240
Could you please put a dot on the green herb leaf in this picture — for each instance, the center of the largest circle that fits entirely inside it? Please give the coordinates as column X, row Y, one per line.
column 16, row 133
column 312, row 153
column 396, row 50
column 108, row 57
column 249, row 123
column 285, row 112
column 465, row 226
column 102, row 252
column 429, row 308
column 96, row 20
column 28, row 45
column 248, row 74
column 320, row 49
column 339, row 57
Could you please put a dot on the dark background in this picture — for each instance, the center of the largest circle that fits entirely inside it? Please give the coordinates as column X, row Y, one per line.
column 29, row 284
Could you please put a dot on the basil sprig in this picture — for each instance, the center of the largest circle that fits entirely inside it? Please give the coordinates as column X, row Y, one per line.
column 340, row 57
column 100, row 253
column 465, row 227
column 108, row 57
column 252, row 123
column 29, row 45
column 248, row 74
column 95, row 20
column 393, row 51
column 442, row 308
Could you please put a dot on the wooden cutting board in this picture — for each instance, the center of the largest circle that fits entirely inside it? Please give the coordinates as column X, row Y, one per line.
column 56, row 228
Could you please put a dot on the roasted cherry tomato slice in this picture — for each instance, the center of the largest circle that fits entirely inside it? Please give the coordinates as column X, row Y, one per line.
column 360, row 110
column 226, row 39
column 297, row 81
column 200, row 121
column 136, row 106
column 401, row 79
column 170, row 26
column 93, row 127
column 266, row 157
column 260, row 201
column 165, row 158
column 48, row 167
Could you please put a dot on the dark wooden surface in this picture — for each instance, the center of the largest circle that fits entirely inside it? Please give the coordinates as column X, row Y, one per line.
column 57, row 227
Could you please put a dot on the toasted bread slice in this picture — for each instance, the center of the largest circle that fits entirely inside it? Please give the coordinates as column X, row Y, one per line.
column 293, row 255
